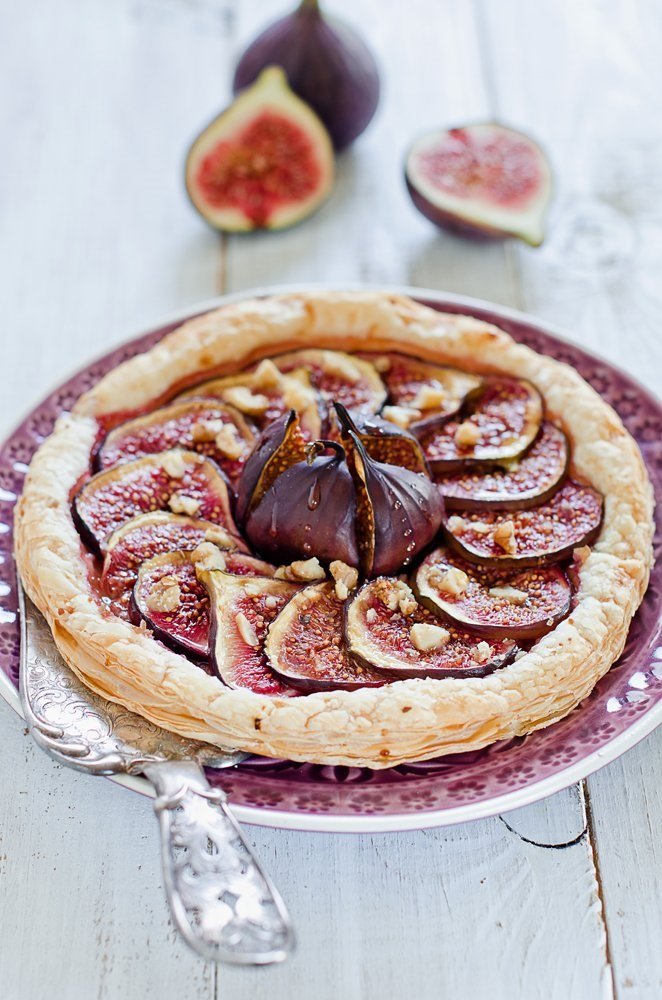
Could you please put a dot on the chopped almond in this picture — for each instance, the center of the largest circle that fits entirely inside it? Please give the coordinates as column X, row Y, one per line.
column 510, row 594
column 247, row 402
column 346, row 578
column 246, row 630
column 174, row 464
column 180, row 503
column 481, row 652
column 504, row 536
column 467, row 435
column 428, row 637
column 401, row 416
column 453, row 581
column 428, row 397
column 303, row 570
column 208, row 556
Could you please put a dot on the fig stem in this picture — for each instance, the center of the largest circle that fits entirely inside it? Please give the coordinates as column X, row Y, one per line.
column 311, row 5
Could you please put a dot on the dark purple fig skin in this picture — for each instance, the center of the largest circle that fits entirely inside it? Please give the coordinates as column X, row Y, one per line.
column 327, row 65
column 304, row 644
column 281, row 444
column 309, row 510
column 399, row 512
column 383, row 441
column 398, row 659
column 549, row 601
column 538, row 475
column 545, row 534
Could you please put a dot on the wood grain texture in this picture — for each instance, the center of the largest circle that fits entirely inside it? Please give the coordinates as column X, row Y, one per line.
column 98, row 238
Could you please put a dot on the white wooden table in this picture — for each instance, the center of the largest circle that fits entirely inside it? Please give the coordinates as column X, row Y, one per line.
column 99, row 101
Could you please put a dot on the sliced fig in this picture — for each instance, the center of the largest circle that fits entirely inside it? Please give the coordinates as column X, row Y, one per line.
column 383, row 441
column 308, row 510
column 305, row 644
column 169, row 597
column 423, row 394
column 501, row 419
column 280, row 445
column 398, row 512
column 242, row 610
column 483, row 179
column 339, row 378
column 518, row 605
column 214, row 429
column 522, row 482
column 535, row 537
column 387, row 630
column 180, row 481
column 150, row 535
column 265, row 394
column 266, row 162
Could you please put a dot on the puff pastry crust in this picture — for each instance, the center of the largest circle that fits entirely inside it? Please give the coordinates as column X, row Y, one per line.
column 403, row 721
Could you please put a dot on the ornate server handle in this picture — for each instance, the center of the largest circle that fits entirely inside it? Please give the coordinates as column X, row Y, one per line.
column 220, row 898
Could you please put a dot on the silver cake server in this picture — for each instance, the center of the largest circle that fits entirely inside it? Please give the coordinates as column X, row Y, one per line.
column 221, row 900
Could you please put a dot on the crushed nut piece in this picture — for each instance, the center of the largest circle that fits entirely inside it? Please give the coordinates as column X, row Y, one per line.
column 401, row 416
column 305, row 570
column 228, row 442
column 467, row 435
column 481, row 652
column 341, row 365
column 504, row 536
column 382, row 364
column 510, row 594
column 480, row 527
column 428, row 637
column 457, row 524
column 246, row 630
column 174, row 464
column 206, row 430
column 428, row 397
column 208, row 557
column 266, row 375
column 180, row 503
column 165, row 595
column 271, row 602
column 452, row 581
column 346, row 578
column 246, row 401
column 297, row 392
column 581, row 554
column 219, row 536
column 371, row 616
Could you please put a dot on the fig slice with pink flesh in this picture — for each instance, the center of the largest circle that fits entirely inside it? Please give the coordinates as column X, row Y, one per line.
column 266, row 162
column 483, row 179
column 518, row 484
column 212, row 428
column 338, row 377
column 241, row 611
column 180, row 616
column 150, row 535
column 426, row 394
column 380, row 633
column 499, row 422
column 524, row 604
column 264, row 395
column 305, row 644
column 534, row 537
column 180, row 481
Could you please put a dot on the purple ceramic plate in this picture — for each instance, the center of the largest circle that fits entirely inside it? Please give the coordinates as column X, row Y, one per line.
column 623, row 708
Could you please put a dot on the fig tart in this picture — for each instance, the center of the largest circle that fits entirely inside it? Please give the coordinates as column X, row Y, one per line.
column 341, row 528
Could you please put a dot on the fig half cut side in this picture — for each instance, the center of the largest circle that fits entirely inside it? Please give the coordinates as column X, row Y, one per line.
column 498, row 423
column 380, row 631
column 538, row 536
column 212, row 428
column 383, row 441
column 521, row 483
column 150, row 535
column 180, row 481
column 280, row 445
column 266, row 162
column 242, row 610
column 305, row 644
column 520, row 605
column 483, row 179
column 339, row 377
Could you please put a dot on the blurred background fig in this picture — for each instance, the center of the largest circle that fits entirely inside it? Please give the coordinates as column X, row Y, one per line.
column 327, row 64
column 483, row 180
column 266, row 162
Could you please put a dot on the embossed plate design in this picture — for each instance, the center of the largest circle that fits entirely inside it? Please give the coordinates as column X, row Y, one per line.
column 623, row 708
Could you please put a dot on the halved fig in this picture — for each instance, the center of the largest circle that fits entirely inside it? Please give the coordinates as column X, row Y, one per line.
column 483, row 179
column 280, row 445
column 305, row 644
column 536, row 537
column 339, row 378
column 266, row 162
column 387, row 630
column 500, row 421
column 169, row 597
column 424, row 394
column 181, row 481
column 265, row 395
column 214, row 429
column 520, row 605
column 520, row 483
column 150, row 535
column 242, row 610
column 383, row 441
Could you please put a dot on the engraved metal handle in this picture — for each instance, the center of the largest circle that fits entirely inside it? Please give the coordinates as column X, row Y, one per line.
column 221, row 900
